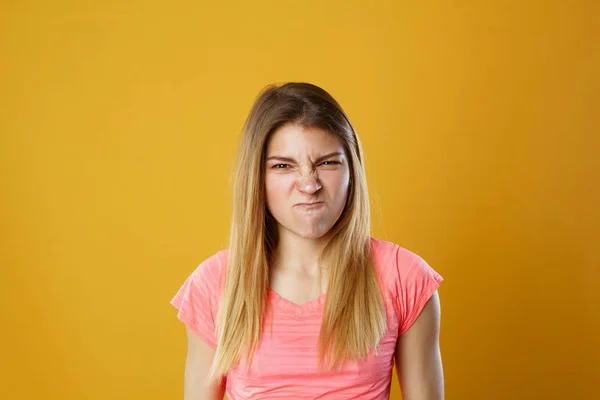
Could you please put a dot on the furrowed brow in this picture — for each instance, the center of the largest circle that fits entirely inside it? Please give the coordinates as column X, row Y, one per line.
column 280, row 158
column 291, row 160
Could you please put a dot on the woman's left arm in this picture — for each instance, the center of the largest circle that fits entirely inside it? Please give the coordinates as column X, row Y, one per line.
column 418, row 358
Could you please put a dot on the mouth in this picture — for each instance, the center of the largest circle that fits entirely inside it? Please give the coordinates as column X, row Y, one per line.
column 310, row 206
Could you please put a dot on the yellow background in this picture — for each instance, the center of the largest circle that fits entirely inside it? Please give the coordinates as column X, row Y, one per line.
column 119, row 123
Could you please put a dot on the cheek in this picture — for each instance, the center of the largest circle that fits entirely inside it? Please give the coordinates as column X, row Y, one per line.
column 338, row 184
column 277, row 186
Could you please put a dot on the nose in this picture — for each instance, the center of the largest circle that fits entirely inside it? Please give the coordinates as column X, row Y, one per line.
column 308, row 184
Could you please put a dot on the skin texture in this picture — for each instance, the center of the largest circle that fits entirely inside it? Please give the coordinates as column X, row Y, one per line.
column 418, row 359
column 299, row 171
column 197, row 365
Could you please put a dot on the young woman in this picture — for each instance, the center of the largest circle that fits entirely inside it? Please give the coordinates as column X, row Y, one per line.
column 305, row 304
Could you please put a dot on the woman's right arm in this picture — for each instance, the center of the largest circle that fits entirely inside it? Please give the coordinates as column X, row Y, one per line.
column 197, row 365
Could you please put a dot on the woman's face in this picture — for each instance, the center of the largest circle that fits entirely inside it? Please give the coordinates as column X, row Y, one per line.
column 307, row 178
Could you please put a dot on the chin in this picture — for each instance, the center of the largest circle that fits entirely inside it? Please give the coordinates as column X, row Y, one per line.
column 308, row 231
column 312, row 234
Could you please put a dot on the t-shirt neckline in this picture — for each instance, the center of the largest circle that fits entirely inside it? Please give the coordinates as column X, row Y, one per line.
column 286, row 304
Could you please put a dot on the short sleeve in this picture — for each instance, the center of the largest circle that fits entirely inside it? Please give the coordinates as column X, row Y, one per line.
column 417, row 282
column 197, row 299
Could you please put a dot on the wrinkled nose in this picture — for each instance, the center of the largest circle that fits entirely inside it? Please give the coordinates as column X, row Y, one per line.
column 308, row 184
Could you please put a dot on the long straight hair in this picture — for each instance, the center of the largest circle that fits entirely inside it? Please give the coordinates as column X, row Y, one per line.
column 354, row 315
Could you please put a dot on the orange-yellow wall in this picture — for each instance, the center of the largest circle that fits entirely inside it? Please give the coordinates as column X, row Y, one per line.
column 118, row 127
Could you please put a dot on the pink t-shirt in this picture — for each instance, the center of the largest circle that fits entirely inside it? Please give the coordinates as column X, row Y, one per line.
column 285, row 364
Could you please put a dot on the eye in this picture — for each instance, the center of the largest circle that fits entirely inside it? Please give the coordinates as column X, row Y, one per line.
column 280, row 166
column 331, row 162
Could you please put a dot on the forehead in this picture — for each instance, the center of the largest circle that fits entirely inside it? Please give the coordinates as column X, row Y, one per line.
column 297, row 138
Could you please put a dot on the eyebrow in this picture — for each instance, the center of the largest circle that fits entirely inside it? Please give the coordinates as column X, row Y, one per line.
column 287, row 159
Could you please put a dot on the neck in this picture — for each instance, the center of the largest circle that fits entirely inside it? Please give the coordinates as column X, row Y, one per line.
column 297, row 253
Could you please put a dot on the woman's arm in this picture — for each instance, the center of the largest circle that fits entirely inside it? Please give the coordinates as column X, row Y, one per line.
column 197, row 365
column 418, row 359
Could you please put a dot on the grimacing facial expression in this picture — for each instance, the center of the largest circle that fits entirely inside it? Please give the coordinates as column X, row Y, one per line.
column 307, row 175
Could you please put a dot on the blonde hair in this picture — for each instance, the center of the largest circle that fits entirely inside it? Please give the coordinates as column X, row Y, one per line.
column 354, row 315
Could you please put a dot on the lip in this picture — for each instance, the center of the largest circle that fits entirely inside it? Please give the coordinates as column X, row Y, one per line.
column 310, row 206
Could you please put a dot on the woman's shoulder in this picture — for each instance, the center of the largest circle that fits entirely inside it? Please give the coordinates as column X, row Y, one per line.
column 392, row 255
column 406, row 278
column 213, row 267
column 394, row 262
